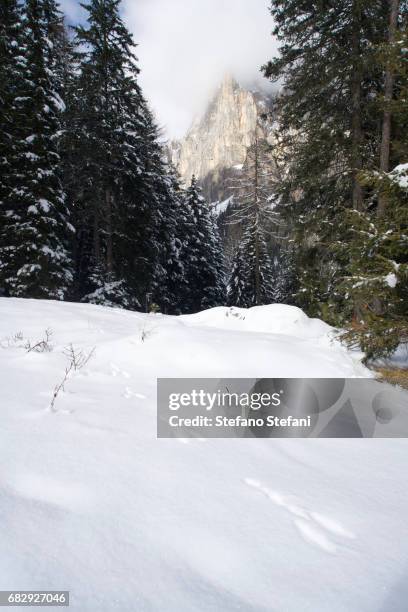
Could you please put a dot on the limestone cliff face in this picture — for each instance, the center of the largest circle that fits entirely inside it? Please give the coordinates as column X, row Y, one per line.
column 217, row 143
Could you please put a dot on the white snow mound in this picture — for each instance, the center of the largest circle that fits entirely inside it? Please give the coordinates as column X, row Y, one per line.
column 274, row 318
column 93, row 502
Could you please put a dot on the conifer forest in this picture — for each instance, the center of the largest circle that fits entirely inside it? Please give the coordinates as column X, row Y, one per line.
column 93, row 210
column 204, row 305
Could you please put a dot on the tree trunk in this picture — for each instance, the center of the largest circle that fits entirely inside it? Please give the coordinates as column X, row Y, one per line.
column 96, row 236
column 256, row 198
column 388, row 91
column 356, row 130
column 109, row 246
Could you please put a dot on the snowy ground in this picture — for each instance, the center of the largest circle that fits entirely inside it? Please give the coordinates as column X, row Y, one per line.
column 92, row 502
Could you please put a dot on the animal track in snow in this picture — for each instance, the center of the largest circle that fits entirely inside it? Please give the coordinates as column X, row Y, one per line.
column 311, row 533
column 313, row 527
column 116, row 371
column 331, row 525
column 129, row 393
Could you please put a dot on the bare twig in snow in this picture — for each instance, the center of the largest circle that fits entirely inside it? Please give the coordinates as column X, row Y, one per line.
column 42, row 346
column 77, row 359
column 146, row 331
column 13, row 341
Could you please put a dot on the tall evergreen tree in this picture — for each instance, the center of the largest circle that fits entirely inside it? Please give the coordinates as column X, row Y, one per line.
column 251, row 280
column 201, row 255
column 170, row 236
column 388, row 97
column 329, row 126
column 335, row 113
column 284, row 276
column 34, row 255
column 112, row 142
column 126, row 198
column 12, row 71
column 375, row 248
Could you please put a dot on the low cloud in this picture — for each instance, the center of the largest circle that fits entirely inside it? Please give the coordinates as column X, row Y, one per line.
column 186, row 46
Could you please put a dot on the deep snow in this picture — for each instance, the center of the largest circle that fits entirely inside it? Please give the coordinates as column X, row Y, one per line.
column 92, row 502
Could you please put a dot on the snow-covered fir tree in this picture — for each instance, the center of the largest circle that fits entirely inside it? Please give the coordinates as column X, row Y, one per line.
column 251, row 279
column 375, row 245
column 284, row 281
column 110, row 143
column 376, row 275
column 35, row 233
column 61, row 50
column 124, row 195
column 329, row 126
column 201, row 255
column 12, row 71
column 340, row 117
column 170, row 237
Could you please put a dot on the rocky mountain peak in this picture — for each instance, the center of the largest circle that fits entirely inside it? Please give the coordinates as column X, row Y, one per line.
column 218, row 140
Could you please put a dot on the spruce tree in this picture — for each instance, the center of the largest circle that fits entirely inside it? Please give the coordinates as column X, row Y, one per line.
column 112, row 142
column 339, row 113
column 329, row 122
column 251, row 280
column 12, row 71
column 284, row 276
column 34, row 255
column 170, row 238
column 124, row 196
column 375, row 247
column 201, row 255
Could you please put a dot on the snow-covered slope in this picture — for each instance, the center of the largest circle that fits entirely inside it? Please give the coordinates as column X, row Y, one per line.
column 92, row 502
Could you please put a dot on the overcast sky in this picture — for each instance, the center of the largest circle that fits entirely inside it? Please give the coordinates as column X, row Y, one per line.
column 186, row 46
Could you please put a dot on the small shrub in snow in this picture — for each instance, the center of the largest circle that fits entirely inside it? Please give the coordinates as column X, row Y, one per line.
column 42, row 346
column 17, row 341
column 77, row 359
column 145, row 332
